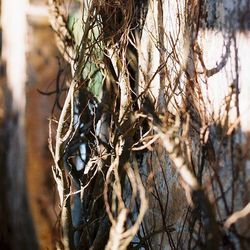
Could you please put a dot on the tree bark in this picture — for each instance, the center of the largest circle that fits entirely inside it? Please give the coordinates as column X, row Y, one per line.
column 16, row 224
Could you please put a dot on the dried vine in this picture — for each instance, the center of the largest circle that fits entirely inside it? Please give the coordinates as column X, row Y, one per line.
column 135, row 136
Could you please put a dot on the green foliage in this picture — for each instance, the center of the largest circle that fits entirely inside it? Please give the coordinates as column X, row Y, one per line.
column 91, row 70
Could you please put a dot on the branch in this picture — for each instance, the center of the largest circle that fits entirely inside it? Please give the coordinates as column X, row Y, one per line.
column 237, row 215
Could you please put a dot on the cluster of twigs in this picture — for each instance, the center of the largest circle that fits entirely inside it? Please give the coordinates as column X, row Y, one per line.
column 112, row 134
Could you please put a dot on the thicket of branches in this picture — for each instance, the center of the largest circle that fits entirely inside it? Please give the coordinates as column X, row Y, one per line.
column 135, row 169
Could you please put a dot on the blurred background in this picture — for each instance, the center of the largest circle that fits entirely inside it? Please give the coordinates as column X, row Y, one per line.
column 29, row 66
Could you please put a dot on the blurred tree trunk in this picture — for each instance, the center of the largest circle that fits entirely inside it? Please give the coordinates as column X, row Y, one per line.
column 16, row 224
column 42, row 66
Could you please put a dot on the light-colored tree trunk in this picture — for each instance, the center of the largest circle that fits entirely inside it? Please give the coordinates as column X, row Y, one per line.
column 208, row 59
column 17, row 226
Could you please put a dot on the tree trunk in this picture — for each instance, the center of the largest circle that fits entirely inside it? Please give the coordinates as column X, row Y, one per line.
column 16, row 225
